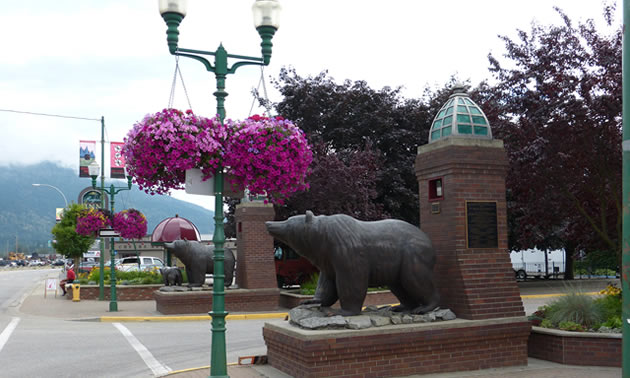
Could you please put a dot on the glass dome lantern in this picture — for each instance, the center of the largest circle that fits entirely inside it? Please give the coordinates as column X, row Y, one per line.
column 460, row 117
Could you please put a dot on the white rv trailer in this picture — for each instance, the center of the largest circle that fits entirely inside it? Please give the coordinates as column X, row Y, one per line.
column 531, row 263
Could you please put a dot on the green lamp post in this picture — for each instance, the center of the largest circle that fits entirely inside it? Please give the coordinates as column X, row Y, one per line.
column 112, row 191
column 266, row 20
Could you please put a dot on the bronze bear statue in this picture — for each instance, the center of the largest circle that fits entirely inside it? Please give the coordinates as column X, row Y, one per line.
column 198, row 259
column 172, row 276
column 352, row 255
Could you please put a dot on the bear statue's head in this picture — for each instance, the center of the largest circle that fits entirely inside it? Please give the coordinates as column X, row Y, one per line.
column 293, row 231
column 177, row 245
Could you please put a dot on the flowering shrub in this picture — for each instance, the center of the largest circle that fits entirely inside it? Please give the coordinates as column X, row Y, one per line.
column 579, row 312
column 160, row 148
column 90, row 220
column 268, row 156
column 611, row 290
column 130, row 223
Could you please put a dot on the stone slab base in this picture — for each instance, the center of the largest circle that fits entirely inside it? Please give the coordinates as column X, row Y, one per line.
column 575, row 348
column 200, row 302
column 457, row 345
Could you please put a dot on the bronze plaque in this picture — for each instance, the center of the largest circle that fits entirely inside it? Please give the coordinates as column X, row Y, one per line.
column 481, row 225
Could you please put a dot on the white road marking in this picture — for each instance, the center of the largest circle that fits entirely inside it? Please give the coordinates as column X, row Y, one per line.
column 4, row 336
column 156, row 367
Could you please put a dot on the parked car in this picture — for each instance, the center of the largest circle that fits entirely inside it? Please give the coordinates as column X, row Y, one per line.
column 87, row 266
column 4, row 262
column 129, row 264
column 58, row 262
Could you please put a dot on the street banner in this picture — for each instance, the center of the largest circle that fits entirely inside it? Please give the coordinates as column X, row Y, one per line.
column 59, row 213
column 87, row 156
column 117, row 160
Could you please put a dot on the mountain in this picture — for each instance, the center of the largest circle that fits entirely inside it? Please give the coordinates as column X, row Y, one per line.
column 28, row 212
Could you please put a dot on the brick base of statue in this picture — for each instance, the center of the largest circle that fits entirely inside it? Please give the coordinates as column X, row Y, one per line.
column 398, row 350
column 200, row 302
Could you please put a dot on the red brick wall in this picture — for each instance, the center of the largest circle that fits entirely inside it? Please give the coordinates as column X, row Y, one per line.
column 123, row 292
column 594, row 350
column 474, row 283
column 255, row 268
column 416, row 350
column 200, row 302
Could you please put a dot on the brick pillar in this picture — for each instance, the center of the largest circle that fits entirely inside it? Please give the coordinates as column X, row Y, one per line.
column 255, row 268
column 475, row 282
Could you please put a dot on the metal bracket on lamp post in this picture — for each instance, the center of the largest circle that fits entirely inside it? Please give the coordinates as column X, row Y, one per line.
column 112, row 191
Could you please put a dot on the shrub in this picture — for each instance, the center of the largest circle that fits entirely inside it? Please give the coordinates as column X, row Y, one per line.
column 308, row 287
column 570, row 326
column 613, row 322
column 126, row 278
column 546, row 323
column 575, row 307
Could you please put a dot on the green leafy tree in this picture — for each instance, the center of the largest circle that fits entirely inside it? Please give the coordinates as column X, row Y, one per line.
column 557, row 106
column 348, row 116
column 68, row 242
column 340, row 183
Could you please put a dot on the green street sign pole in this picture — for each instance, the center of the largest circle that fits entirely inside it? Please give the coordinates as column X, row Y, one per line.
column 112, row 191
column 625, row 257
column 173, row 17
column 101, row 280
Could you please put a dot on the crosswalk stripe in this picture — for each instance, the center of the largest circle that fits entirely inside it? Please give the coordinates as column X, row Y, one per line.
column 156, row 367
column 4, row 336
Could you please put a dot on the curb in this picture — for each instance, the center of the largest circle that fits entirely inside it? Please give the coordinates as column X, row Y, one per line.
column 533, row 296
column 197, row 368
column 278, row 315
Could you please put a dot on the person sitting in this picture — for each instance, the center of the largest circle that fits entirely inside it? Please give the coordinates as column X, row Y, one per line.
column 70, row 277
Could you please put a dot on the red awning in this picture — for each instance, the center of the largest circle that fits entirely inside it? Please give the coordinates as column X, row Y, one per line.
column 175, row 228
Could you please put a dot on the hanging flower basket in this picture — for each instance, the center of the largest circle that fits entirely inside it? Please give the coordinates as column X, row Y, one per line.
column 90, row 221
column 130, row 223
column 268, row 156
column 160, row 148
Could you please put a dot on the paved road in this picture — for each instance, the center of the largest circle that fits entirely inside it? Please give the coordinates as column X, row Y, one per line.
column 38, row 344
column 45, row 346
column 16, row 283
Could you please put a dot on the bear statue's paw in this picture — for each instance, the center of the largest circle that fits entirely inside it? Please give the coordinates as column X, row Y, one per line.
column 399, row 308
column 424, row 309
column 311, row 301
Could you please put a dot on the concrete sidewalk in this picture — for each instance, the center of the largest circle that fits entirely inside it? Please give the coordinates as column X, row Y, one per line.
column 535, row 369
column 37, row 304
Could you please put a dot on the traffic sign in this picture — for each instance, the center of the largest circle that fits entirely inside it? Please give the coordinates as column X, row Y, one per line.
column 108, row 232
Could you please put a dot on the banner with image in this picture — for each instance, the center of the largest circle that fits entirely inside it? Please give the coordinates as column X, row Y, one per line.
column 117, row 160
column 87, row 154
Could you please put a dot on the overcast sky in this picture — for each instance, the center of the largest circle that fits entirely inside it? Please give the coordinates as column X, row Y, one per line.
column 109, row 58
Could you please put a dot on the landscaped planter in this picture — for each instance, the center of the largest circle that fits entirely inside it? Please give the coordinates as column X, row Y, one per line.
column 575, row 348
column 290, row 299
column 123, row 292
